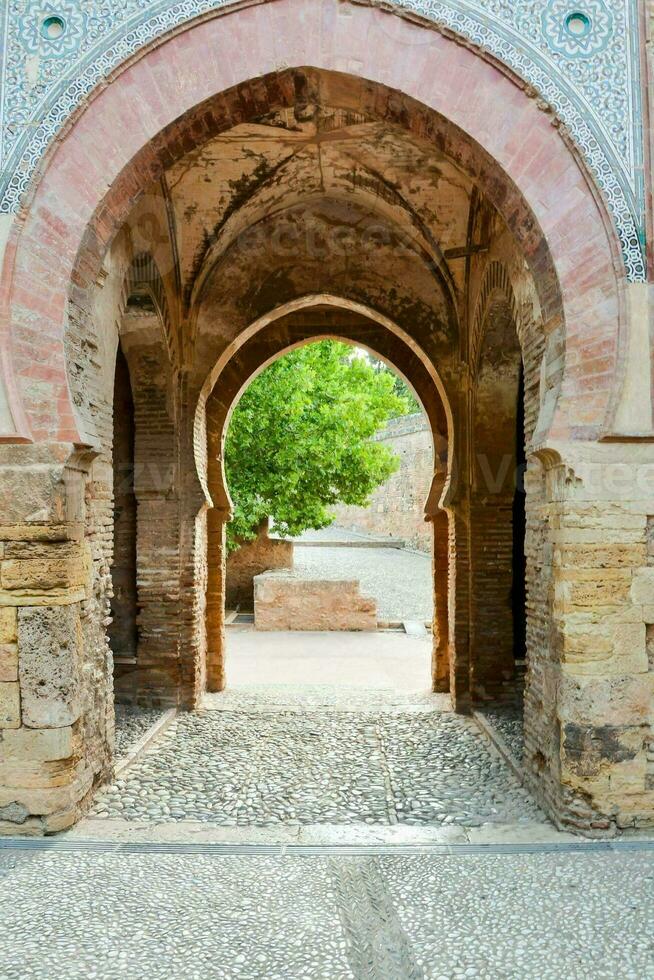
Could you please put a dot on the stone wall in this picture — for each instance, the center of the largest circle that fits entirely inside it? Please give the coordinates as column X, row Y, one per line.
column 283, row 601
column 396, row 508
column 253, row 558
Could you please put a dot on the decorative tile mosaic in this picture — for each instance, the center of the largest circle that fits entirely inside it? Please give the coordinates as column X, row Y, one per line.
column 581, row 56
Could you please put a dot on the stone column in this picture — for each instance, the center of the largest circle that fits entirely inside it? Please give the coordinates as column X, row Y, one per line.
column 589, row 709
column 56, row 728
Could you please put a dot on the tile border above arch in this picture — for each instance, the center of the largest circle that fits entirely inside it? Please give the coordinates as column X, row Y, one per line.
column 592, row 84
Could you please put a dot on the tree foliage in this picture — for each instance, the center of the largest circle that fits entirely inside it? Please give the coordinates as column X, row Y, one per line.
column 408, row 401
column 299, row 439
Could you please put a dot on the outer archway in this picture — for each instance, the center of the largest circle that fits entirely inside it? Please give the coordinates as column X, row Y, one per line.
column 589, row 716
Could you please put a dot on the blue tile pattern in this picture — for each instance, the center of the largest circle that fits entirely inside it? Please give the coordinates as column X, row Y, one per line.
column 582, row 58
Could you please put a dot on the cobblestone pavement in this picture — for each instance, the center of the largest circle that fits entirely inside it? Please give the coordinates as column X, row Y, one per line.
column 131, row 724
column 257, row 762
column 98, row 915
column 507, row 718
column 400, row 581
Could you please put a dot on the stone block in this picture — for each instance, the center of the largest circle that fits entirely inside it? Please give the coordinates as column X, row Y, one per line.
column 619, row 554
column 642, row 588
column 604, row 648
column 9, row 705
column 42, row 550
column 32, row 745
column 54, row 822
column 621, row 700
column 603, row 759
column 284, row 601
column 38, row 775
column 49, row 644
column 53, row 597
column 33, row 827
column 8, row 662
column 72, row 531
column 50, row 800
column 41, row 574
column 31, row 493
column 592, row 587
column 8, row 625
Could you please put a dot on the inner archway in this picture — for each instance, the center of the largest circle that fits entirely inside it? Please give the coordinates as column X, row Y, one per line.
column 318, row 319
column 308, row 600
column 123, row 629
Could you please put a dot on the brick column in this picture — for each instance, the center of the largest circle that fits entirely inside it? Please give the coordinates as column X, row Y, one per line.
column 440, row 626
column 491, row 577
column 216, row 550
column 155, row 678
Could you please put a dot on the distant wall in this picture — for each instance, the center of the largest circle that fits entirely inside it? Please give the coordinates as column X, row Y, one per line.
column 253, row 558
column 397, row 507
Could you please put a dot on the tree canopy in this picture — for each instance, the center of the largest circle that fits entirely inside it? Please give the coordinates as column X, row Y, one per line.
column 299, row 439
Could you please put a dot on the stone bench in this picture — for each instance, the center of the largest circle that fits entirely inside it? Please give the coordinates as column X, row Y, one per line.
column 284, row 600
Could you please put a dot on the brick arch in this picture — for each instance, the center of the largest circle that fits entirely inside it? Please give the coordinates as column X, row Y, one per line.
column 144, row 279
column 500, row 137
column 268, row 339
column 438, row 406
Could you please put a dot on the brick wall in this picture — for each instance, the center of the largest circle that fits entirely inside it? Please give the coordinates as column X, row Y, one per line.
column 396, row 508
column 253, row 558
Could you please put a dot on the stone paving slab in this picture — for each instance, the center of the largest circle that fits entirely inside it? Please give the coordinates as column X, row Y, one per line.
column 298, row 766
column 106, row 916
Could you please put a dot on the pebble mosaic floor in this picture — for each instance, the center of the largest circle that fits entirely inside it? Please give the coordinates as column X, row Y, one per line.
column 508, row 721
column 105, row 916
column 259, row 763
column 131, row 725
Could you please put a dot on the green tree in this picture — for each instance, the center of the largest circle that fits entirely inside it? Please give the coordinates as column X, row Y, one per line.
column 299, row 439
column 409, row 404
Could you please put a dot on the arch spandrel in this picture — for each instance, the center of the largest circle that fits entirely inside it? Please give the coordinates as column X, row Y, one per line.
column 68, row 220
column 535, row 47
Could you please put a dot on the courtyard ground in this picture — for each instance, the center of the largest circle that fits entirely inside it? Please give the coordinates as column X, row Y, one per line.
column 80, row 912
column 326, row 817
column 399, row 580
column 297, row 828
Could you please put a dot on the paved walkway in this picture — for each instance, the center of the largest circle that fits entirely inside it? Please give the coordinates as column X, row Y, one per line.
column 400, row 581
column 124, row 916
column 352, row 660
column 276, row 755
column 322, row 832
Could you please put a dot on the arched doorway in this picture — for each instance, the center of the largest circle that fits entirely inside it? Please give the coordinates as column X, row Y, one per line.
column 368, row 153
column 309, row 319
